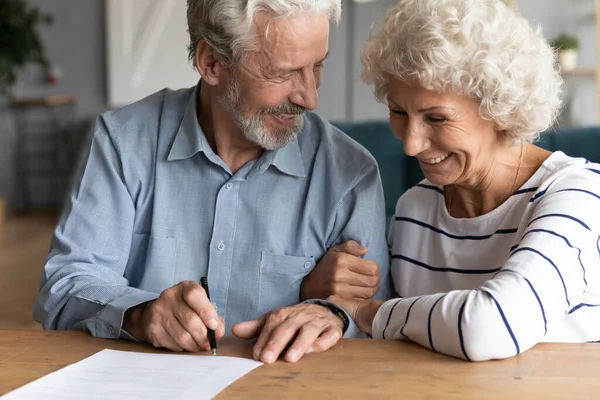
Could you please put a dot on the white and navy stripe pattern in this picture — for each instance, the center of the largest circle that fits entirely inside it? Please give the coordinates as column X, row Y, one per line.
column 495, row 285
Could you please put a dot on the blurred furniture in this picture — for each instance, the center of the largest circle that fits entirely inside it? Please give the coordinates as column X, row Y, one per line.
column 353, row 369
column 580, row 18
column 42, row 164
column 399, row 172
column 2, row 219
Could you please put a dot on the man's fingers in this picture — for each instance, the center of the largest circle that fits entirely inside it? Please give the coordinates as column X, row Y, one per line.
column 195, row 297
column 249, row 329
column 351, row 247
column 220, row 332
column 305, row 338
column 191, row 323
column 328, row 338
column 179, row 335
column 159, row 337
column 276, row 340
column 272, row 320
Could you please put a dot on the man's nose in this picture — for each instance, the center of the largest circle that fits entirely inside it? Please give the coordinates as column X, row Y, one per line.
column 306, row 94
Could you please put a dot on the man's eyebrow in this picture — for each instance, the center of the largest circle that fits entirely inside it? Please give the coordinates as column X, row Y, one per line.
column 279, row 70
column 324, row 58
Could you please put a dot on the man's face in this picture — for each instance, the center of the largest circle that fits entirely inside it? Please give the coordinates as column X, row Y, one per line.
column 269, row 93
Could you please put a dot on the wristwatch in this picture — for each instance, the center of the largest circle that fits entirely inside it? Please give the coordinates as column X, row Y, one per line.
column 339, row 312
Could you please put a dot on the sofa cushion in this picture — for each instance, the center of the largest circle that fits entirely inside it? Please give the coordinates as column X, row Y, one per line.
column 575, row 142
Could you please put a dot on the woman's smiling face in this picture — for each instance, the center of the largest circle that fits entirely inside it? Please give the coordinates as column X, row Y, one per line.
column 444, row 131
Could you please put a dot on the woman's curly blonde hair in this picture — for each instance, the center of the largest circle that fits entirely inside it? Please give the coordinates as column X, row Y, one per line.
column 480, row 48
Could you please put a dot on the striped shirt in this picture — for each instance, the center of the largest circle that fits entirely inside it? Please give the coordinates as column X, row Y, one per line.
column 495, row 285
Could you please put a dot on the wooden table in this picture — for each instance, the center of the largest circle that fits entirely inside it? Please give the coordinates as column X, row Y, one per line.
column 354, row 369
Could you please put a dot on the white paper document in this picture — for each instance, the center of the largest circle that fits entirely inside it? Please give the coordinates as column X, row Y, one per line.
column 111, row 374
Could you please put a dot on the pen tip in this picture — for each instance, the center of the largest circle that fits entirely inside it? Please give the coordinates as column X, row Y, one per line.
column 214, row 351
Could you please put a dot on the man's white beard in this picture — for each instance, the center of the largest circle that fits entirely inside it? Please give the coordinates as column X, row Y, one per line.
column 253, row 128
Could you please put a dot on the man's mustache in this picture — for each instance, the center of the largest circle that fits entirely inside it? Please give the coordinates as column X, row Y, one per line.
column 285, row 108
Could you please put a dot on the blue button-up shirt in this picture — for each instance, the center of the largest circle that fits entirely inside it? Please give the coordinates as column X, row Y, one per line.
column 153, row 205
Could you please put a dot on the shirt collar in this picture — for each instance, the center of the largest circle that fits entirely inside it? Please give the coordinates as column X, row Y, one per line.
column 288, row 159
column 190, row 140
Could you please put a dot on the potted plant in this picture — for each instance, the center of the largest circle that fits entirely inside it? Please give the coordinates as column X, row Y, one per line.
column 20, row 43
column 567, row 47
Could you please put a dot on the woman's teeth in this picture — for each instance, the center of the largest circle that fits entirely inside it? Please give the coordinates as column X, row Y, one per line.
column 439, row 159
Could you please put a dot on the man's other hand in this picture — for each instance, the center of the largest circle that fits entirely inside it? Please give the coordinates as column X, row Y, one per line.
column 305, row 328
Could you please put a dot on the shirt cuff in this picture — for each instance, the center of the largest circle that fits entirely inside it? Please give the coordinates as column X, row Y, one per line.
column 127, row 336
column 109, row 323
column 352, row 331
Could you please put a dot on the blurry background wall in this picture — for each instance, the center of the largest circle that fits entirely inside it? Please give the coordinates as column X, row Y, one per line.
column 76, row 43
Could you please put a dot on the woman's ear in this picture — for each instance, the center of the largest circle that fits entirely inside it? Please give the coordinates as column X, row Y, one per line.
column 208, row 64
column 498, row 128
column 500, row 131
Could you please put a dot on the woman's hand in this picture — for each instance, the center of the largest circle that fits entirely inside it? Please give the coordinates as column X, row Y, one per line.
column 362, row 311
column 342, row 272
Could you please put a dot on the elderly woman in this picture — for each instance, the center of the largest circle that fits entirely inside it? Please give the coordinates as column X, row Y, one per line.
column 498, row 248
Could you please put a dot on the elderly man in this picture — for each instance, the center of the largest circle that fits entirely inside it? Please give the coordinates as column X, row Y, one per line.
column 234, row 179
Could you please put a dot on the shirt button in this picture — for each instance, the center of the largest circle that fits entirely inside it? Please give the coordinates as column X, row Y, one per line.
column 221, row 246
column 229, row 185
column 307, row 264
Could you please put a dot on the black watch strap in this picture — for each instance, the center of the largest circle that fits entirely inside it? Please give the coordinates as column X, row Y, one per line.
column 339, row 312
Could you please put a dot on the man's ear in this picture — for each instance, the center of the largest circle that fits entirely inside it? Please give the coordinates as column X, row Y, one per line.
column 208, row 63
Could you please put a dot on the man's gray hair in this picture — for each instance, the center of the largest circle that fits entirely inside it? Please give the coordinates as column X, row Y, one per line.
column 227, row 25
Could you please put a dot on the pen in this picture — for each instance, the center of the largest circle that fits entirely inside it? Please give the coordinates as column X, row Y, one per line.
column 211, row 333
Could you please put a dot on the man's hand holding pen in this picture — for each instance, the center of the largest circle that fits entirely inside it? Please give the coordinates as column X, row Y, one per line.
column 177, row 320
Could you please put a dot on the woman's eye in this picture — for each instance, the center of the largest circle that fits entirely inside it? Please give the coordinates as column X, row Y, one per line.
column 436, row 119
column 398, row 112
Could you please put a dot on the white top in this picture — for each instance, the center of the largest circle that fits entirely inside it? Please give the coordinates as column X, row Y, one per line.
column 495, row 285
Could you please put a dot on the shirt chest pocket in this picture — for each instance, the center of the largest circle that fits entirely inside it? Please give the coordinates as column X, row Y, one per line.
column 280, row 279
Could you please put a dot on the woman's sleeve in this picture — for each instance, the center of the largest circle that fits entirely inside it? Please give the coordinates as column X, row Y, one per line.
column 545, row 278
